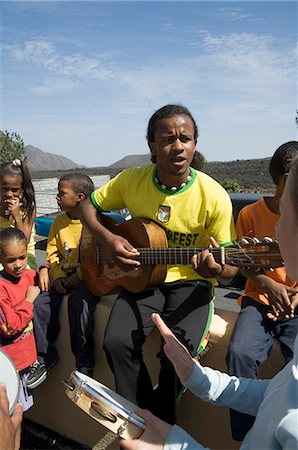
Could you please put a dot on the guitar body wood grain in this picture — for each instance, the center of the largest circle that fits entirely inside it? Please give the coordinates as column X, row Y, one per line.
column 103, row 279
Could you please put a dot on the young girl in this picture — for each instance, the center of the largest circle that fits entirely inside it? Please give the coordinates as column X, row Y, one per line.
column 17, row 202
column 17, row 295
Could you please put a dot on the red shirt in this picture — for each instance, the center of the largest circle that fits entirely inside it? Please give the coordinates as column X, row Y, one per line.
column 16, row 313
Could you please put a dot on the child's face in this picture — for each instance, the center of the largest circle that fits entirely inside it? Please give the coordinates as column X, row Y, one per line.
column 11, row 187
column 67, row 199
column 287, row 231
column 14, row 258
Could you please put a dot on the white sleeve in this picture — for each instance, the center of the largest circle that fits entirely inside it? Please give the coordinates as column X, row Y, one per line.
column 178, row 439
column 242, row 394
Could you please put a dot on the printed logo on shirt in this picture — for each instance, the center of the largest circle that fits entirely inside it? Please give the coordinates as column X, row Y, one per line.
column 163, row 214
column 181, row 239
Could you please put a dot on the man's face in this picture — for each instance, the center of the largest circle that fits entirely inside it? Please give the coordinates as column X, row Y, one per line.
column 174, row 145
column 287, row 231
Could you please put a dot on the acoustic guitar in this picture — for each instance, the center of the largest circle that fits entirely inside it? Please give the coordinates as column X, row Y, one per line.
column 150, row 240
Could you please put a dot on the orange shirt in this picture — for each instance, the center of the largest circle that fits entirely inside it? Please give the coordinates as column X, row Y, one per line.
column 256, row 220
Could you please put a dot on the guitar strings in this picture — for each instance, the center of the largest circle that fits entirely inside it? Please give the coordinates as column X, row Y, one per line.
column 214, row 251
column 153, row 255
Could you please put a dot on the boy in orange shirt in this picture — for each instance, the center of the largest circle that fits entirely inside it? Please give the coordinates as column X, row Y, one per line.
column 269, row 305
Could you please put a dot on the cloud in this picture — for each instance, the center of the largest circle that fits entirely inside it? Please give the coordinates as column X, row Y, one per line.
column 256, row 59
column 244, row 66
column 232, row 13
column 54, row 86
column 43, row 53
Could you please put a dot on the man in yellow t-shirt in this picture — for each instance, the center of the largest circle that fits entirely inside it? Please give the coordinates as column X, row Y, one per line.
column 190, row 207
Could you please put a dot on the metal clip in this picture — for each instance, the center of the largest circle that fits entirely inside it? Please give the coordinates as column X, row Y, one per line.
column 122, row 428
column 68, row 384
column 78, row 391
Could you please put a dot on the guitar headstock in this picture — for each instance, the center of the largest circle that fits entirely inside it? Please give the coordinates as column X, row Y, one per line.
column 252, row 253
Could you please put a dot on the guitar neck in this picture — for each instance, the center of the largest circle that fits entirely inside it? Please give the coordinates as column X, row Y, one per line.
column 176, row 256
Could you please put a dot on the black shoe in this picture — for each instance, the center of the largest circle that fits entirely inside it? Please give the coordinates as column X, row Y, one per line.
column 86, row 371
column 38, row 373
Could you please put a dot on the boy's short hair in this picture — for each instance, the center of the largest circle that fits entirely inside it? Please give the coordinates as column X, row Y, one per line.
column 80, row 182
column 9, row 235
column 281, row 160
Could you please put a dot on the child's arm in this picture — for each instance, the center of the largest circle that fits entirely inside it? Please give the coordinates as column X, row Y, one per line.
column 24, row 224
column 14, row 319
column 282, row 298
column 55, row 260
column 43, row 279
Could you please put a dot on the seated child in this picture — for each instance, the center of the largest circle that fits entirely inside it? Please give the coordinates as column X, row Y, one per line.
column 66, row 278
column 267, row 293
column 17, row 203
column 17, row 295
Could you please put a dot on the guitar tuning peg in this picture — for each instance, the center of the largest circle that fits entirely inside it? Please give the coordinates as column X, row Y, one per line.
column 268, row 239
column 244, row 241
column 255, row 240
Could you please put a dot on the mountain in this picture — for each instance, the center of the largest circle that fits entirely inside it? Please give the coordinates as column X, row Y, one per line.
column 251, row 174
column 39, row 160
column 132, row 160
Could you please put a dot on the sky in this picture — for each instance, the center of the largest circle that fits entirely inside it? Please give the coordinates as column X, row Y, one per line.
column 82, row 78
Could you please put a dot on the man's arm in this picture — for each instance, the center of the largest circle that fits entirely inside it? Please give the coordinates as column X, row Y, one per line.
column 121, row 252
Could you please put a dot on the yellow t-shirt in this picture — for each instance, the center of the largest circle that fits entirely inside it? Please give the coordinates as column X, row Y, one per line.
column 63, row 246
column 188, row 216
column 9, row 222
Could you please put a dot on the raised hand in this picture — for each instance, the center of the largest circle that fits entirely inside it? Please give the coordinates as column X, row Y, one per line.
column 13, row 207
column 175, row 351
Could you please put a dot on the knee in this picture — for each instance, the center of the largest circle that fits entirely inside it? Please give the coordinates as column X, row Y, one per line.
column 113, row 344
column 117, row 343
column 238, row 354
